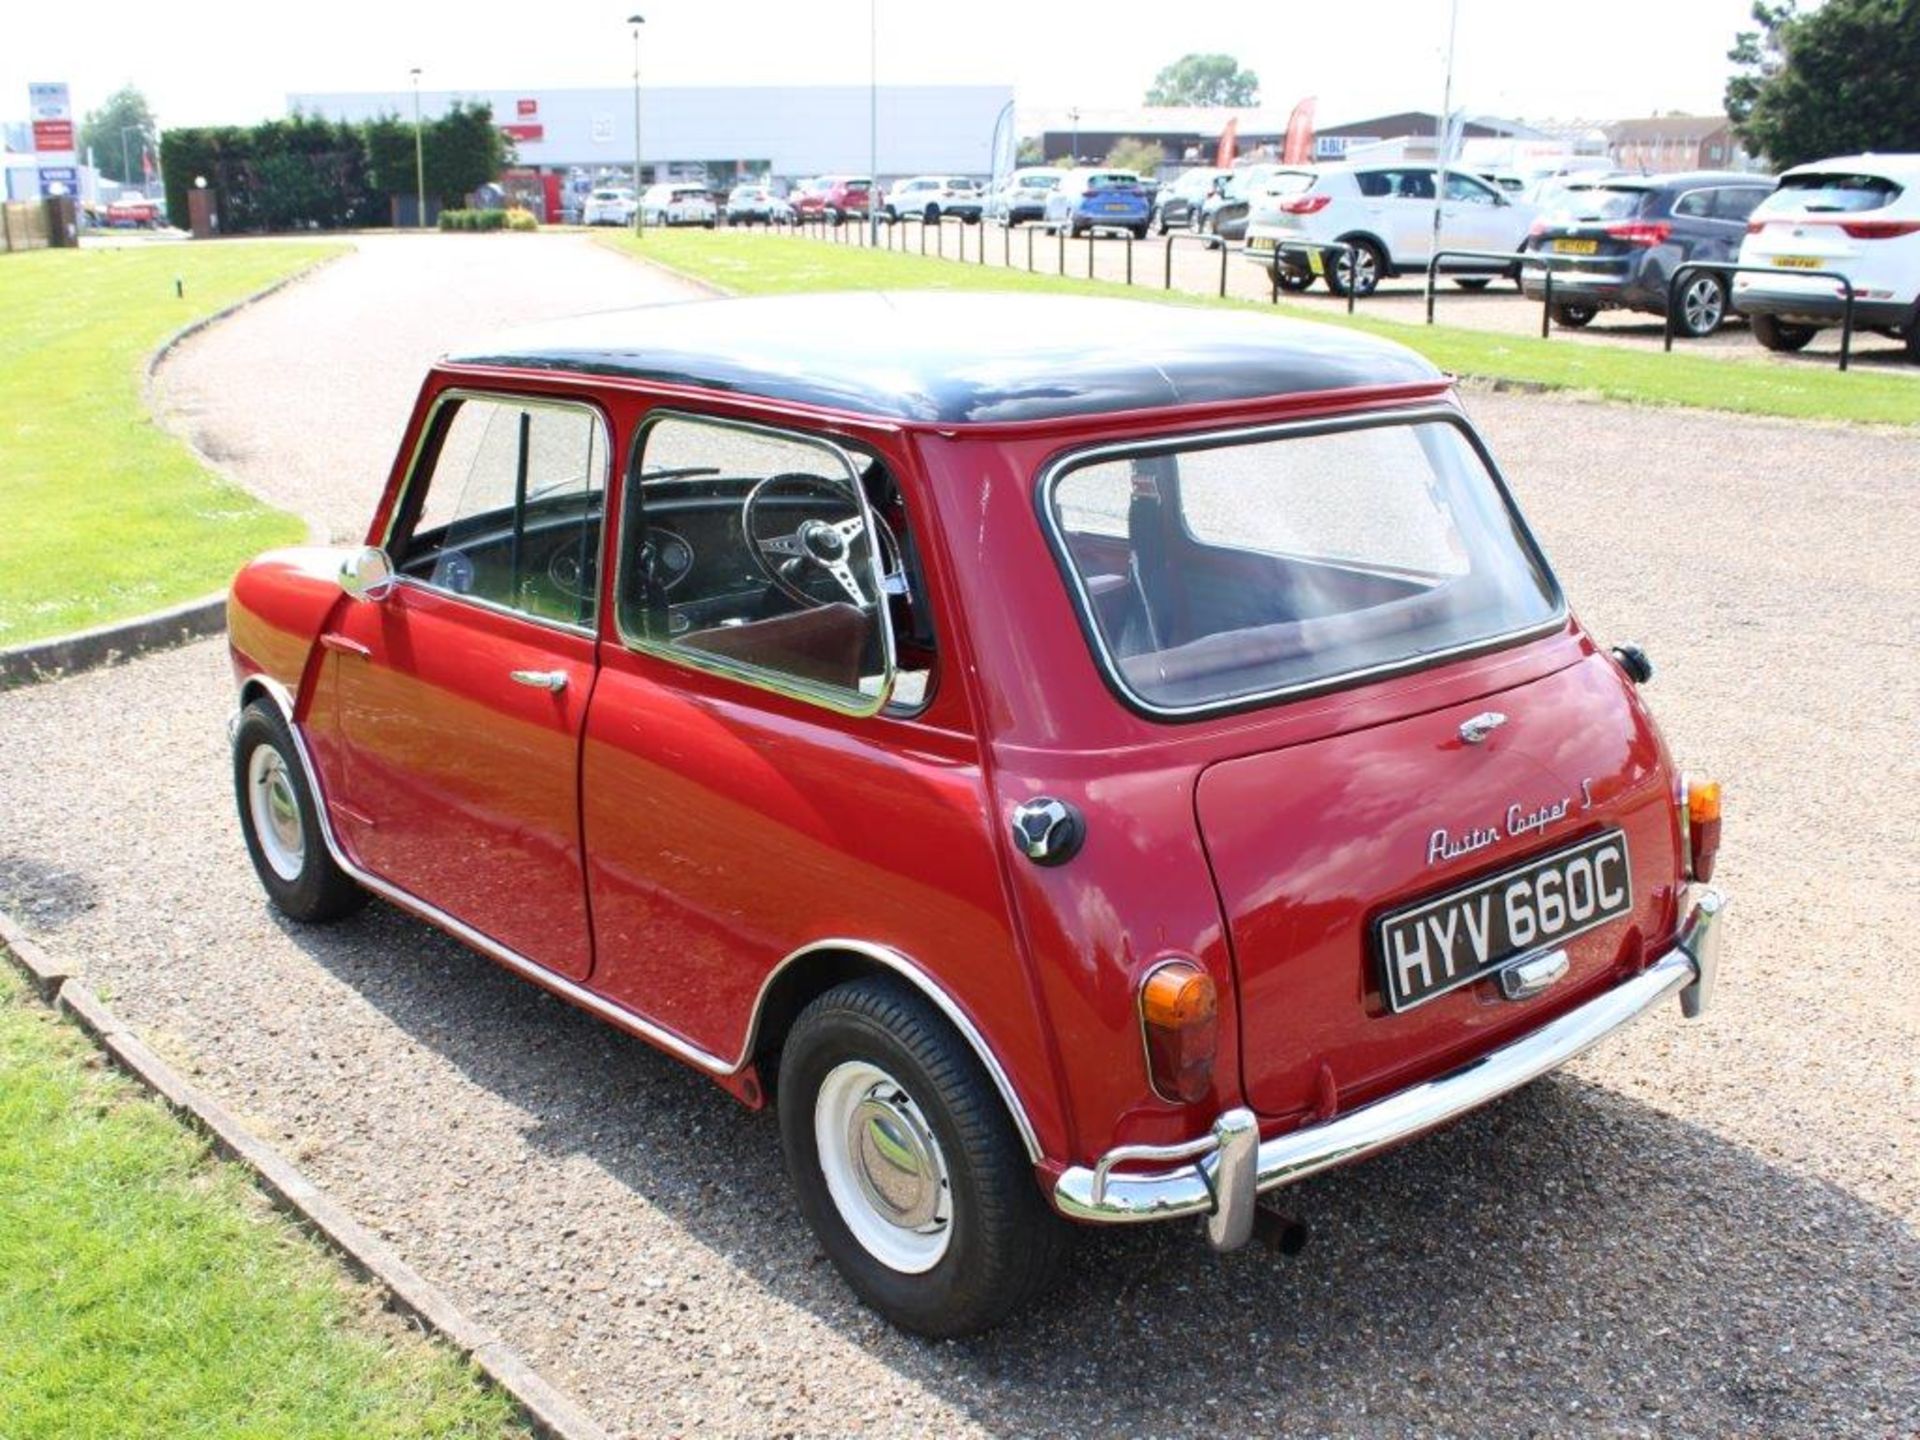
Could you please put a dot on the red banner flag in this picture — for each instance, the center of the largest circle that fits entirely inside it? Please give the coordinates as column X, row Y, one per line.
column 146, row 164
column 1229, row 142
column 1299, row 147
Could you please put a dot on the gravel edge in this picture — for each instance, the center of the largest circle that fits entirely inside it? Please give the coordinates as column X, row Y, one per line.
column 158, row 629
column 550, row 1413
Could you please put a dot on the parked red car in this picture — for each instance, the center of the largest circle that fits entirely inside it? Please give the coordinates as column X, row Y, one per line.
column 1079, row 760
column 833, row 198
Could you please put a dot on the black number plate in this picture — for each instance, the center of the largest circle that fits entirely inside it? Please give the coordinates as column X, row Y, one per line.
column 1426, row 949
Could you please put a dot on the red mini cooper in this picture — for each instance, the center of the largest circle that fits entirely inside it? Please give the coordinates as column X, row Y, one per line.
column 1081, row 761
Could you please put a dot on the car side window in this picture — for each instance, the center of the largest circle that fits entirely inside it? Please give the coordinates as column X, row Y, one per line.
column 1374, row 184
column 1737, row 202
column 777, row 557
column 506, row 507
column 1466, row 188
column 1695, row 205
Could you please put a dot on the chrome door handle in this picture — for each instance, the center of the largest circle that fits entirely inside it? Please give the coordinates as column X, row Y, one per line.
column 554, row 680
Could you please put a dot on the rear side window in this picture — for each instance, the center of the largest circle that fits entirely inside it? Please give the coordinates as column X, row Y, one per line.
column 1216, row 573
column 1736, row 202
column 1695, row 204
column 1830, row 194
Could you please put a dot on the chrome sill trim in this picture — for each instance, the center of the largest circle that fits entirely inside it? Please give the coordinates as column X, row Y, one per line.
column 1100, row 1194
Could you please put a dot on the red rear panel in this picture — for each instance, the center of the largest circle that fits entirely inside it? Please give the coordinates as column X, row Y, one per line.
column 1311, row 843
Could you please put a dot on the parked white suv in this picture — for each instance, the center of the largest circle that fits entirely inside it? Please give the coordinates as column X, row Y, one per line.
column 1858, row 215
column 609, row 205
column 679, row 202
column 1385, row 212
column 932, row 198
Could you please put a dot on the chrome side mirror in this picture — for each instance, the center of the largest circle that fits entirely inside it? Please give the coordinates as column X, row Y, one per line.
column 367, row 574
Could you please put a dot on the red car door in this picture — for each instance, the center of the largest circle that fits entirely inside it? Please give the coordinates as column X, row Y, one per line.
column 457, row 700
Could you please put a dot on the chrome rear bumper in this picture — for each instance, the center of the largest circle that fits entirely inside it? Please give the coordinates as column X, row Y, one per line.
column 1222, row 1173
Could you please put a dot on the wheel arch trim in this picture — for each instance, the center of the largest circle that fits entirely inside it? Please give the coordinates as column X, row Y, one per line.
column 619, row 1015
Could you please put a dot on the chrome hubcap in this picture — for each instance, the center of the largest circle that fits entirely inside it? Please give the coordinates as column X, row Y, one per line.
column 883, row 1167
column 275, row 808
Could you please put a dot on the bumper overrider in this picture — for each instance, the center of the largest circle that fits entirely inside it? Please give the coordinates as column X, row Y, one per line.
column 1222, row 1173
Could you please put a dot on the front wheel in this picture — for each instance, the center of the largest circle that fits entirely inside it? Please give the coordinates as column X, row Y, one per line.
column 280, row 819
column 1703, row 306
column 907, row 1166
column 1473, row 282
column 1777, row 334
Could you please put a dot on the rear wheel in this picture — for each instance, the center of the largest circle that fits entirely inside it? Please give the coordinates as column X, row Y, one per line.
column 931, row 215
column 1573, row 317
column 1473, row 282
column 1777, row 334
column 1361, row 268
column 1288, row 278
column 1703, row 306
column 907, row 1164
column 1913, row 336
column 280, row 820
column 1139, row 232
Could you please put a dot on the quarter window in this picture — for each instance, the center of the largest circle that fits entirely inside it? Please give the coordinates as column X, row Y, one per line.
column 512, row 506
column 771, row 555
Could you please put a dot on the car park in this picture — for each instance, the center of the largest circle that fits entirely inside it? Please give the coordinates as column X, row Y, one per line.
column 1380, row 216
column 1023, row 196
column 755, row 204
column 934, row 197
column 1078, row 760
column 1630, row 234
column 1177, row 206
column 1855, row 215
column 680, row 202
column 609, row 205
column 1089, row 200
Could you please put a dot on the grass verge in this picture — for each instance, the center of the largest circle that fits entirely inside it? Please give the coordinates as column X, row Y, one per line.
column 758, row 263
column 107, row 515
column 146, row 1288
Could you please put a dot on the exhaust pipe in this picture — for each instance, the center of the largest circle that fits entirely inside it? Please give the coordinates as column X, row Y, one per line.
column 1281, row 1233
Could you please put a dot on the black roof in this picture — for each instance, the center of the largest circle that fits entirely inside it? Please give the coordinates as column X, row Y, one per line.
column 947, row 357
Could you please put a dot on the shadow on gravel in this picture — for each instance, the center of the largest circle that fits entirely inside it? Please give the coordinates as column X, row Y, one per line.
column 1568, row 1261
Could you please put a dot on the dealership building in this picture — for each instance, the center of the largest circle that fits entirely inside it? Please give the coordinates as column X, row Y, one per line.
column 567, row 139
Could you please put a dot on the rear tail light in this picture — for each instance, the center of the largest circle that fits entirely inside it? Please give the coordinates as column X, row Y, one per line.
column 1180, row 1021
column 1539, row 227
column 1700, row 824
column 1306, row 205
column 1880, row 229
column 1641, row 232
column 1754, row 227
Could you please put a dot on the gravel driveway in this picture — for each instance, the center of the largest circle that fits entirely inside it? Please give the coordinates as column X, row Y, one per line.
column 1698, row 1230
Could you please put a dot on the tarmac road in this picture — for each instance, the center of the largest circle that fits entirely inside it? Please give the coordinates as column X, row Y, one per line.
column 1696, row 1230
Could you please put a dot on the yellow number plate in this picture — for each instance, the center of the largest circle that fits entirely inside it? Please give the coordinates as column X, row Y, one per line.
column 1576, row 247
column 1797, row 262
column 1259, row 243
column 1316, row 262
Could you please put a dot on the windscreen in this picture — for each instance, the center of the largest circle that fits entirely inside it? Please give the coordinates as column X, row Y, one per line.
column 1215, row 573
column 1836, row 194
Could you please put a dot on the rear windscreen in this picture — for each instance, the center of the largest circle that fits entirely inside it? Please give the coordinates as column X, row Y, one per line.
column 1835, row 194
column 1218, row 573
column 1608, row 202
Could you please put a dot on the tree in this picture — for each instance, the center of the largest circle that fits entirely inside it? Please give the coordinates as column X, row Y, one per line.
column 1143, row 157
column 464, row 150
column 1836, row 81
column 1032, row 152
column 1205, row 80
column 110, row 133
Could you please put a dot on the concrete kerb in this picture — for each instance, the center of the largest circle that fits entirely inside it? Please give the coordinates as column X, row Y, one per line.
column 159, row 629
column 550, row 1413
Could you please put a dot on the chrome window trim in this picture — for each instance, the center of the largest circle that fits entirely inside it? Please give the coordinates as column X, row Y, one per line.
column 460, row 393
column 856, row 704
column 611, row 1010
column 1057, row 467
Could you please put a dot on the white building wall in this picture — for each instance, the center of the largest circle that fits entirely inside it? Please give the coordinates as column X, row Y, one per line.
column 798, row 130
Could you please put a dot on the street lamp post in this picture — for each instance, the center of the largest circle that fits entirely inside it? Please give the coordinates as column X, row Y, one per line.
column 419, row 157
column 873, row 123
column 639, row 189
column 126, row 163
column 1074, row 158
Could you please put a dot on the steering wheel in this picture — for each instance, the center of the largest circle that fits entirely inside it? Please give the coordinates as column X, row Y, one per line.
column 816, row 545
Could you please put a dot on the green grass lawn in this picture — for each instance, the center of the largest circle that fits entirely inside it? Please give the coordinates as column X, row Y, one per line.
column 103, row 515
column 146, row 1288
column 759, row 263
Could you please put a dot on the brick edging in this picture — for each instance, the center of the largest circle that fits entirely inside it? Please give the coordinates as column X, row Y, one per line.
column 551, row 1413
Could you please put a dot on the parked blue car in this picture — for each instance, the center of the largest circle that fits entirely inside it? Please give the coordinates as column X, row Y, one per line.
column 1099, row 200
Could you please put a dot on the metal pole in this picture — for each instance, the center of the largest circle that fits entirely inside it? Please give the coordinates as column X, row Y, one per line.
column 873, row 120
column 1223, row 269
column 126, row 163
column 419, row 158
column 1090, row 254
column 1166, row 280
column 1129, row 262
column 639, row 185
column 1546, row 302
column 1440, row 140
